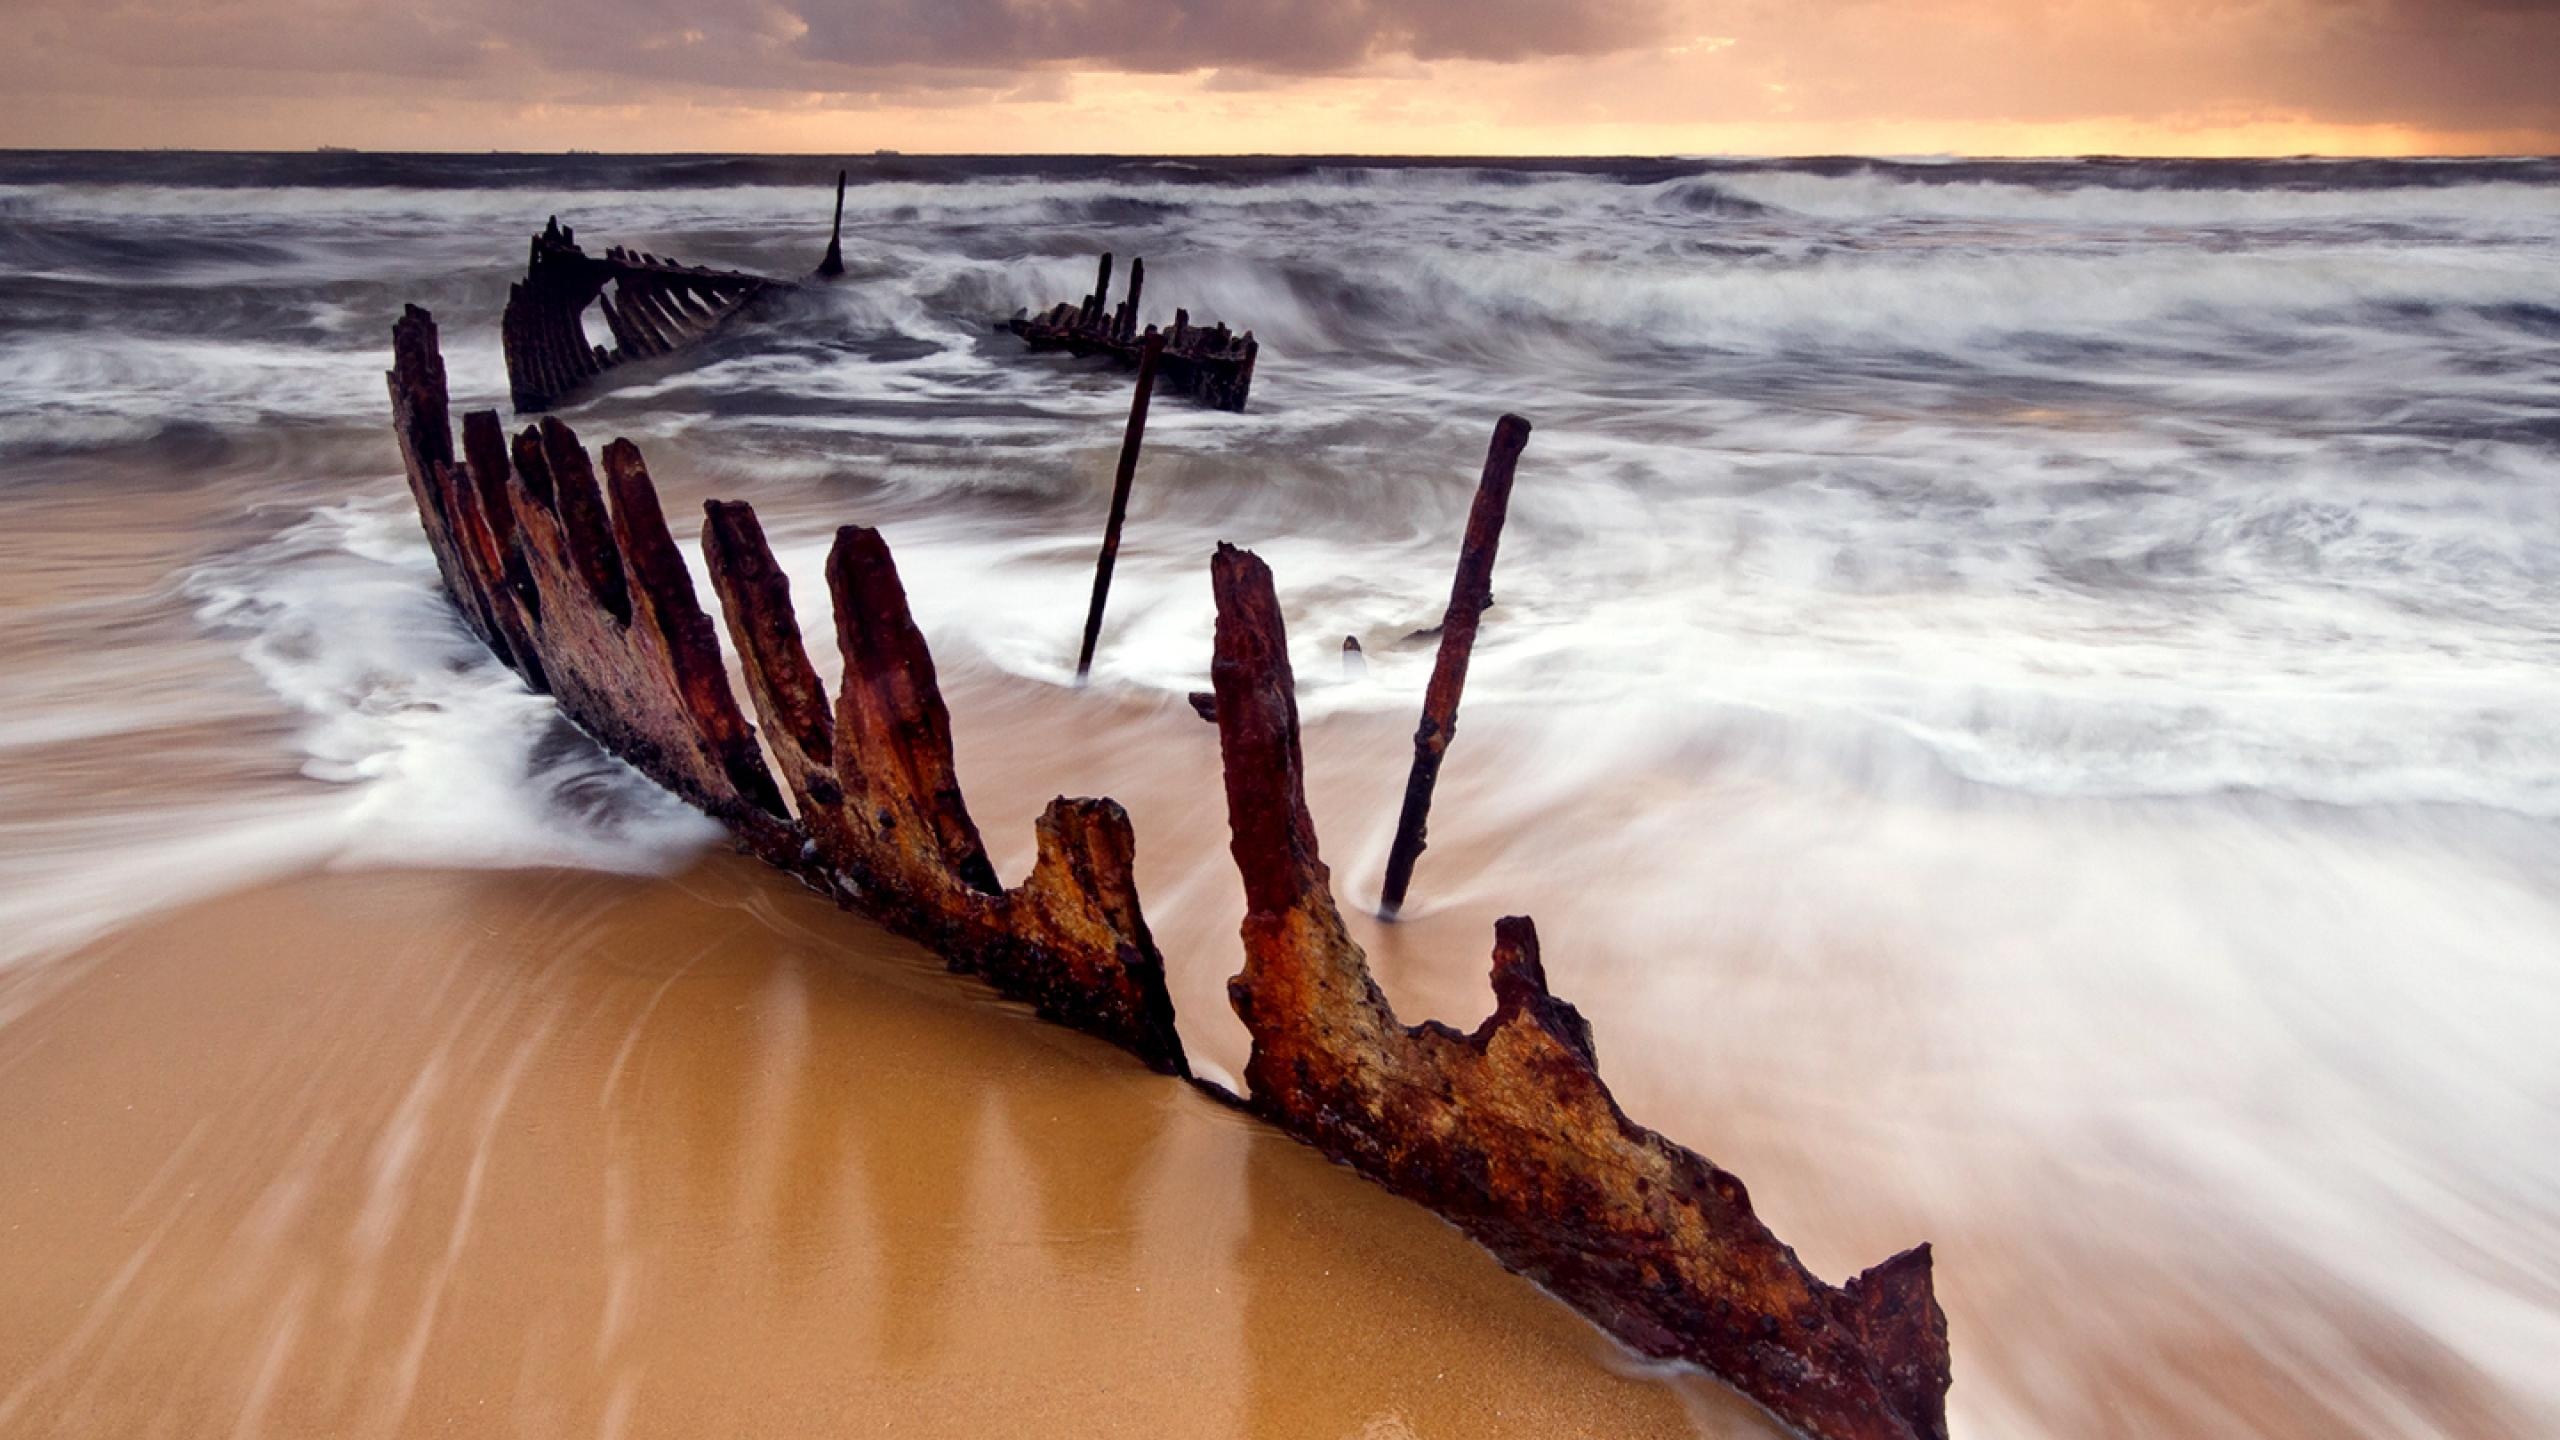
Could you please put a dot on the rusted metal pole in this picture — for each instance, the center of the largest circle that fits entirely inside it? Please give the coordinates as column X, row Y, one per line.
column 1129, row 441
column 833, row 265
column 1468, row 597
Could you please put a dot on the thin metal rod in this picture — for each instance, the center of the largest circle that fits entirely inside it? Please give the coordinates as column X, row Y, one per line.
column 1128, row 472
column 833, row 265
column 1469, row 594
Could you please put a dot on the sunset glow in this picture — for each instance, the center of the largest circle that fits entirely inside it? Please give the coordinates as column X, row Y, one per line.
column 2201, row 77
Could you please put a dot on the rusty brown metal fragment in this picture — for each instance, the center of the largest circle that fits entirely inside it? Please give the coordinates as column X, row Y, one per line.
column 1508, row 1130
column 1209, row 365
column 580, row 587
column 879, row 797
column 582, row 597
column 1469, row 594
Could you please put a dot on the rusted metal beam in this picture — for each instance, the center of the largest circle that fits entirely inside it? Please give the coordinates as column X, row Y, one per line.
column 1508, row 1130
column 1469, row 594
column 1121, row 479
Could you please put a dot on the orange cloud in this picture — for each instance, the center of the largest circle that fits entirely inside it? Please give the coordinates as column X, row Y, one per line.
column 1350, row 76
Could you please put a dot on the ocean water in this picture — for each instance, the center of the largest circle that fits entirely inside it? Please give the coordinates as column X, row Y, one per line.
column 2025, row 696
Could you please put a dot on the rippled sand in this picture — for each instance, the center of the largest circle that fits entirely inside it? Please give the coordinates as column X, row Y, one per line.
column 434, row 1153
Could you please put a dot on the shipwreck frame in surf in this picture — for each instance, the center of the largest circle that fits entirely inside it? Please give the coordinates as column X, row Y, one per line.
column 657, row 306
column 1507, row 1131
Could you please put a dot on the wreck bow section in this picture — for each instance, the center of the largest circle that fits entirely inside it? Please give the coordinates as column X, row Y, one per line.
column 651, row 306
column 579, row 586
column 1509, row 1132
column 1207, row 363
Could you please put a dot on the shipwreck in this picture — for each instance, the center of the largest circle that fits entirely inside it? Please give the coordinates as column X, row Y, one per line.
column 573, row 578
column 653, row 307
column 1210, row 364
column 656, row 306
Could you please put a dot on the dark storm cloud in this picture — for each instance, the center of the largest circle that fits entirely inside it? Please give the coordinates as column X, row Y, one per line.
column 1276, row 36
column 2470, row 66
column 818, row 43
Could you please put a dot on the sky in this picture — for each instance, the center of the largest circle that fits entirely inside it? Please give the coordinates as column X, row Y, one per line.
column 1520, row 77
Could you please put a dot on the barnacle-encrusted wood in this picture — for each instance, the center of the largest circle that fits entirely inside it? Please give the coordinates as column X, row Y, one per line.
column 1210, row 364
column 580, row 587
column 1510, row 1133
column 652, row 306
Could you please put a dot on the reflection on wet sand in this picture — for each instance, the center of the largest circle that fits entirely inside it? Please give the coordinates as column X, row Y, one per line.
column 549, row 1153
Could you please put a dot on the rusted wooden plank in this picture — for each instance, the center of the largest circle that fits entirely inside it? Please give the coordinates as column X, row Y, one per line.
column 1469, row 594
column 1130, row 439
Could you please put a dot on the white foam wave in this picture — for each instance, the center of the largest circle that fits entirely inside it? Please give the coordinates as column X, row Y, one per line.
column 1878, row 195
column 447, row 758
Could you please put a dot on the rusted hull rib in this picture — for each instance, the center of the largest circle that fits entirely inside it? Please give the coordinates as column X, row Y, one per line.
column 580, row 588
column 1210, row 364
column 1507, row 1131
column 651, row 306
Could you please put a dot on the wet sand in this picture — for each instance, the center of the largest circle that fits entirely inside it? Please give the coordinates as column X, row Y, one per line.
column 2099, row 826
column 556, row 1153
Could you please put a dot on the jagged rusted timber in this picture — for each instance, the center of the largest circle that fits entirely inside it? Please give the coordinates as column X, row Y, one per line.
column 1509, row 1132
column 1469, row 594
column 652, row 306
column 1212, row 365
column 580, row 587
column 1121, row 479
